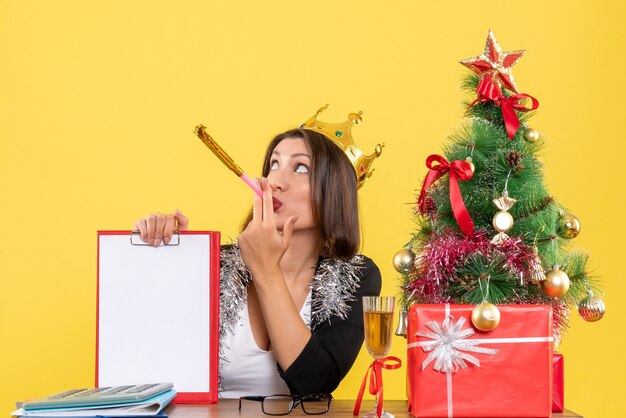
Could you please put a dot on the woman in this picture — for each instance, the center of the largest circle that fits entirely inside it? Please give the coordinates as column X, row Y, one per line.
column 291, row 311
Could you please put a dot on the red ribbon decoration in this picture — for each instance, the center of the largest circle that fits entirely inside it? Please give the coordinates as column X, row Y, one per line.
column 489, row 91
column 458, row 170
column 376, row 382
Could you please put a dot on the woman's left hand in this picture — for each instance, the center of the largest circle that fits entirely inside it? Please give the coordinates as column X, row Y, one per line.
column 261, row 244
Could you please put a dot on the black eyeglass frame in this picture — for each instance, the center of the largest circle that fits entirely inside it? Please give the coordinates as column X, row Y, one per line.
column 295, row 400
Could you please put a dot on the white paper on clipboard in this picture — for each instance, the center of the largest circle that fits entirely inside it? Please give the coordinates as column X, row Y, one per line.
column 158, row 310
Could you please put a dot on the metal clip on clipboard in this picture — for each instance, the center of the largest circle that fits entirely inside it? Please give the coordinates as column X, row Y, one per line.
column 135, row 239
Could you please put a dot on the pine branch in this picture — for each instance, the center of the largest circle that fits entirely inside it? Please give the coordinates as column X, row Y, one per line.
column 480, row 279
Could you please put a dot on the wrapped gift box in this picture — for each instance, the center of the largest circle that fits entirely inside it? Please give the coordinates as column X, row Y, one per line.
column 454, row 370
column 558, row 396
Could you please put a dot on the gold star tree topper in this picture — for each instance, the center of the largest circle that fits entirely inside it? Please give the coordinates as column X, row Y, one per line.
column 495, row 65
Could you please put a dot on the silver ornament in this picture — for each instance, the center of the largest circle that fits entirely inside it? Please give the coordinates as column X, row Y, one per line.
column 591, row 308
column 402, row 323
column 537, row 274
column 502, row 221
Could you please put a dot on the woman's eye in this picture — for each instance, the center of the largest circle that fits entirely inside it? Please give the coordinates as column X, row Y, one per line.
column 301, row 168
column 273, row 165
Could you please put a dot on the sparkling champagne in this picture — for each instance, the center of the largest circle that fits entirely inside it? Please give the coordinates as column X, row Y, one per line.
column 378, row 331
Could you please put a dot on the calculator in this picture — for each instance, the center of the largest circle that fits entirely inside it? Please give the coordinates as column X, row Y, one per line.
column 102, row 396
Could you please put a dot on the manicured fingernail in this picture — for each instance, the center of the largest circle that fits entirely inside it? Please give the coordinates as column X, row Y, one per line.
column 264, row 180
column 166, row 241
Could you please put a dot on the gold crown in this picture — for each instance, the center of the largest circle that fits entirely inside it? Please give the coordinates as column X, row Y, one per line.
column 340, row 134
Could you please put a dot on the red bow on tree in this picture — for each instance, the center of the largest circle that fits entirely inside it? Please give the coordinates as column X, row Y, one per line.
column 489, row 91
column 458, row 170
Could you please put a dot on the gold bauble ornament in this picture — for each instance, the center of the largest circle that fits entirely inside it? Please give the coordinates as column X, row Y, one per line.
column 591, row 308
column 531, row 135
column 556, row 283
column 486, row 316
column 403, row 260
column 569, row 226
column 471, row 164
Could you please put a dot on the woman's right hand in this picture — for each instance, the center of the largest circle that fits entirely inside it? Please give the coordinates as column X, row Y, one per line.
column 157, row 227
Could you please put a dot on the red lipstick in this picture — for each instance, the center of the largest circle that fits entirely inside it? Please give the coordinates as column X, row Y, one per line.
column 276, row 203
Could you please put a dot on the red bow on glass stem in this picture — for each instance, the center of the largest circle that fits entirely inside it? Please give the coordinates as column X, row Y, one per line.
column 458, row 170
column 376, row 382
column 489, row 91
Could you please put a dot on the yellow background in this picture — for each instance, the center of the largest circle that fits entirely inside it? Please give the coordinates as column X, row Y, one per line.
column 98, row 100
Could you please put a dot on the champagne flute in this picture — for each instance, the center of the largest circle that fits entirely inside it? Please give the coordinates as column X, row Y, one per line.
column 378, row 325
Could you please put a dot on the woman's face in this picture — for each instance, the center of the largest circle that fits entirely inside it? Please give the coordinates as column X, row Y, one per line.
column 290, row 179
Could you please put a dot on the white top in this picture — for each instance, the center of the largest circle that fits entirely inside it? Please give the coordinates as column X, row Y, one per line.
column 245, row 369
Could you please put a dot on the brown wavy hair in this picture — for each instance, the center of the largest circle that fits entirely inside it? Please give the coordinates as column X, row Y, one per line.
column 333, row 193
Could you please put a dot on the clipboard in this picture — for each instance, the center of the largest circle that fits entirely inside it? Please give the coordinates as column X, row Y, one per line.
column 157, row 313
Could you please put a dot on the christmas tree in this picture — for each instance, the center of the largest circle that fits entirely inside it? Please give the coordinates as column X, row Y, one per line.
column 488, row 230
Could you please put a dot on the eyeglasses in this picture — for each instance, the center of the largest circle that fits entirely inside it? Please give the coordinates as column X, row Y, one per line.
column 315, row 404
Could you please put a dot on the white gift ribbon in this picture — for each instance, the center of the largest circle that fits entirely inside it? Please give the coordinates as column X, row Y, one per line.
column 448, row 343
column 449, row 348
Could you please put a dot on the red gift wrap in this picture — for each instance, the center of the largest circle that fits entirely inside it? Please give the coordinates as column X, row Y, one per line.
column 558, row 396
column 455, row 370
